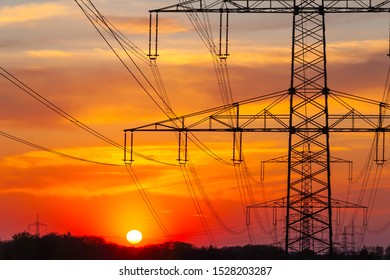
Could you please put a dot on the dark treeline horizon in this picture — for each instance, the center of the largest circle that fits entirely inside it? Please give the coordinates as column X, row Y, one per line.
column 54, row 246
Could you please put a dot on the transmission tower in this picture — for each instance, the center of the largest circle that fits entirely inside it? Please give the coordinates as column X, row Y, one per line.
column 348, row 239
column 308, row 122
column 37, row 225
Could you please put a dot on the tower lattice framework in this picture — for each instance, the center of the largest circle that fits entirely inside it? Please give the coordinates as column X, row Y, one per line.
column 308, row 178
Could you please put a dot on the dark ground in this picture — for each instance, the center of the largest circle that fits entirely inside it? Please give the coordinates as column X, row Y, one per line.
column 53, row 246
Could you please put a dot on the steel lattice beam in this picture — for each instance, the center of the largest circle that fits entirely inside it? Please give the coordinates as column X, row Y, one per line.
column 275, row 6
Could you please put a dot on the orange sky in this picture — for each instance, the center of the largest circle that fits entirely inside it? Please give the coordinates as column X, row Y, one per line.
column 51, row 46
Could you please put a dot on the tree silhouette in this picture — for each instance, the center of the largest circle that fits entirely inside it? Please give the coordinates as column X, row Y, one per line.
column 54, row 246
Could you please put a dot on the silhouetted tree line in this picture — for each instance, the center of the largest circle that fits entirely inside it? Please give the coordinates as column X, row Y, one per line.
column 53, row 246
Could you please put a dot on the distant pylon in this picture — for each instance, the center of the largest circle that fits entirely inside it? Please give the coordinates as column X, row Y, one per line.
column 348, row 241
column 37, row 226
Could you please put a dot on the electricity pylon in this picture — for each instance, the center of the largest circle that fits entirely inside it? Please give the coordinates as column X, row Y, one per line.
column 37, row 226
column 308, row 122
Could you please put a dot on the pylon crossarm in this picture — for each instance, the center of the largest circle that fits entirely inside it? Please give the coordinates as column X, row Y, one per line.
column 238, row 6
column 357, row 123
column 355, row 5
column 226, row 112
column 295, row 199
column 275, row 6
column 265, row 121
column 226, row 121
column 358, row 120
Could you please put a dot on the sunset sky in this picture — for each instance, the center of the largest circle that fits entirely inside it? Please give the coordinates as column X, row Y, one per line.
column 53, row 48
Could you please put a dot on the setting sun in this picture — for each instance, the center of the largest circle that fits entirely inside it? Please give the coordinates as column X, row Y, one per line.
column 134, row 236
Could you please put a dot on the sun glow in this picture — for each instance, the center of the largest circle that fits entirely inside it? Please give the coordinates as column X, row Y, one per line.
column 134, row 236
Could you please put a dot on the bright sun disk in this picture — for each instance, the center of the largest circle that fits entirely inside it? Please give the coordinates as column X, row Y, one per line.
column 134, row 236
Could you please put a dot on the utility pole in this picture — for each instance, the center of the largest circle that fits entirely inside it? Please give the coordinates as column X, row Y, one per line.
column 308, row 122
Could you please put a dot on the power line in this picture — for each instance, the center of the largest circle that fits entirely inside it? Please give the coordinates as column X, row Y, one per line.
column 102, row 19
column 303, row 94
column 36, row 146
column 147, row 201
column 209, row 204
column 222, row 72
column 44, row 101
column 108, row 27
column 196, row 203
column 163, row 96
column 117, row 38
column 374, row 190
column 223, row 79
column 204, row 31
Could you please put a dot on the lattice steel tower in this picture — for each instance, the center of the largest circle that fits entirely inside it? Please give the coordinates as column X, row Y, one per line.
column 308, row 178
column 309, row 200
